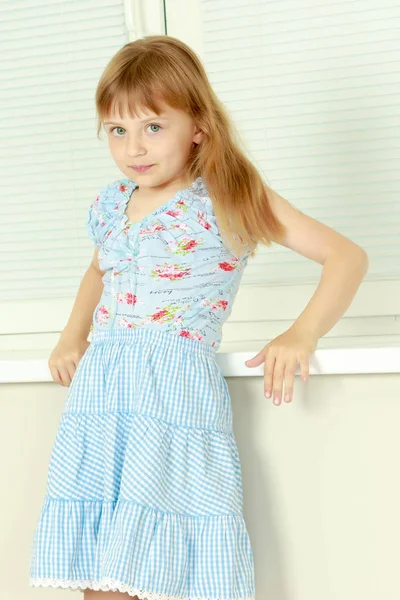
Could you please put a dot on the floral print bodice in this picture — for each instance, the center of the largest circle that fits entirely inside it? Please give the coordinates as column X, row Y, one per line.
column 169, row 271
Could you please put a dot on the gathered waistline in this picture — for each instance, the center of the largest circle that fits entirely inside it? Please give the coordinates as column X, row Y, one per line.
column 143, row 334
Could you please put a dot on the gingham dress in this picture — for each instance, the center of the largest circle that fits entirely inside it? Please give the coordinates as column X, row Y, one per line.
column 144, row 488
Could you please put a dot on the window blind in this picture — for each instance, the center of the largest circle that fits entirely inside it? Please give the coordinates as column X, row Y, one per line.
column 51, row 160
column 313, row 88
column 52, row 163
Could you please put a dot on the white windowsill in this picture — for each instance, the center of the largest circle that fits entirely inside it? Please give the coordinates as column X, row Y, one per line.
column 29, row 366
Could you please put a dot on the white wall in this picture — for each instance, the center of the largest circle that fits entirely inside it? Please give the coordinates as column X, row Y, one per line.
column 320, row 483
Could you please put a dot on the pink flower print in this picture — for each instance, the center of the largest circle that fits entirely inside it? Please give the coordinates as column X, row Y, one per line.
column 185, row 333
column 191, row 244
column 223, row 304
column 229, row 266
column 178, row 225
column 153, row 228
column 202, row 221
column 181, row 205
column 179, row 318
column 130, row 298
column 171, row 272
column 173, row 213
column 215, row 304
column 195, row 336
column 164, row 315
column 102, row 314
column 127, row 324
column 159, row 316
column 184, row 246
column 122, row 188
column 126, row 298
column 122, row 260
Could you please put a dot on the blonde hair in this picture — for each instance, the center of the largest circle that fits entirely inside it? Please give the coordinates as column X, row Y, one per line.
column 160, row 67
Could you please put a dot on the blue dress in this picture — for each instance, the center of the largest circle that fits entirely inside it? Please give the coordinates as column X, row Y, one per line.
column 144, row 489
column 169, row 271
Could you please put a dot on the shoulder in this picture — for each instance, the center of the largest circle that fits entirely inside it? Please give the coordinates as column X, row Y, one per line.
column 113, row 192
column 112, row 196
column 106, row 207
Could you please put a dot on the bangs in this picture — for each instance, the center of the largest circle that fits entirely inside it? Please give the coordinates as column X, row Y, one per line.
column 141, row 88
column 137, row 81
column 125, row 104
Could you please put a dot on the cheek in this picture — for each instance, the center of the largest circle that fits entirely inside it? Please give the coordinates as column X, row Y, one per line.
column 116, row 148
column 180, row 147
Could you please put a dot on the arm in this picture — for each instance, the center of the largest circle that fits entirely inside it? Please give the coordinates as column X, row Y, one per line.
column 88, row 296
column 344, row 266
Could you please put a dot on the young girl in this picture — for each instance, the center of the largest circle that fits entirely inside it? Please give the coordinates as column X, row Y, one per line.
column 144, row 493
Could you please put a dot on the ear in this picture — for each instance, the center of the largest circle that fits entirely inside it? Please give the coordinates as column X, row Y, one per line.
column 198, row 136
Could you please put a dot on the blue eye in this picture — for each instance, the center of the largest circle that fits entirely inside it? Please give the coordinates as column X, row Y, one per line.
column 113, row 128
column 149, row 125
column 154, row 125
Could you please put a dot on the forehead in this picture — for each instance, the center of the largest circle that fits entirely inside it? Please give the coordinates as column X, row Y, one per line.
column 129, row 111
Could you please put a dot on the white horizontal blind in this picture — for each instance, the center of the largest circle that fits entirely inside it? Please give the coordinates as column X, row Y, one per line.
column 314, row 89
column 52, row 164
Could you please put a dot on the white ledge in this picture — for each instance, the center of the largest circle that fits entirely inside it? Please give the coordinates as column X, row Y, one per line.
column 30, row 367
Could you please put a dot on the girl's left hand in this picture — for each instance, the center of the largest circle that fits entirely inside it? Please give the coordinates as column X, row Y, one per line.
column 281, row 356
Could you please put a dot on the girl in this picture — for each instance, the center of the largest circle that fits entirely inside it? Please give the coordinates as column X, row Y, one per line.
column 144, row 492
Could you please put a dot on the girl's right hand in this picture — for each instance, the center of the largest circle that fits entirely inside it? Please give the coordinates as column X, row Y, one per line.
column 65, row 358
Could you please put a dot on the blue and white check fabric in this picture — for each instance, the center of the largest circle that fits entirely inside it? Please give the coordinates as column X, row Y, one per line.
column 144, row 490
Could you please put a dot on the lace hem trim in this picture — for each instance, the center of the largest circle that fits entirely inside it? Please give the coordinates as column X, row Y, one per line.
column 110, row 585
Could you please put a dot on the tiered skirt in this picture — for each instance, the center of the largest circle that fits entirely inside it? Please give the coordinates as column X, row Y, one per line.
column 144, row 488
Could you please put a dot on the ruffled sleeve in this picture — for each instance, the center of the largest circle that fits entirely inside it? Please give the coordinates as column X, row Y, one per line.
column 102, row 212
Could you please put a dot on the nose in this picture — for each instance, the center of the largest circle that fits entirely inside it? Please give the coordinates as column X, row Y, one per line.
column 135, row 146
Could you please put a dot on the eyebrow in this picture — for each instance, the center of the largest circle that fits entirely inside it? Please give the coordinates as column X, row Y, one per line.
column 155, row 118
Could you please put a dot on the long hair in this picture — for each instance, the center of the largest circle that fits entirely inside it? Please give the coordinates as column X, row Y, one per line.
column 160, row 67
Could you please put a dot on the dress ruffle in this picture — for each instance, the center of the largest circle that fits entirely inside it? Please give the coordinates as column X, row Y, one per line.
column 131, row 543
column 144, row 490
column 111, row 202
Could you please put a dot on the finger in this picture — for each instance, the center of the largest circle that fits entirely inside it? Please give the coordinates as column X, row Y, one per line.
column 71, row 371
column 268, row 373
column 304, row 369
column 55, row 374
column 289, row 380
column 257, row 360
column 65, row 379
column 278, row 380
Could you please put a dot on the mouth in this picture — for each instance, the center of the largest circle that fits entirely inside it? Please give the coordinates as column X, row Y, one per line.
column 141, row 168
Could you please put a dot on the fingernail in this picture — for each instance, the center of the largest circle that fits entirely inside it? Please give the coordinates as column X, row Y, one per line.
column 267, row 393
column 276, row 400
column 287, row 397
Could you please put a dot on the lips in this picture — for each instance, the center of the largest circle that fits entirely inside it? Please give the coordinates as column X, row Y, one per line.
column 141, row 168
